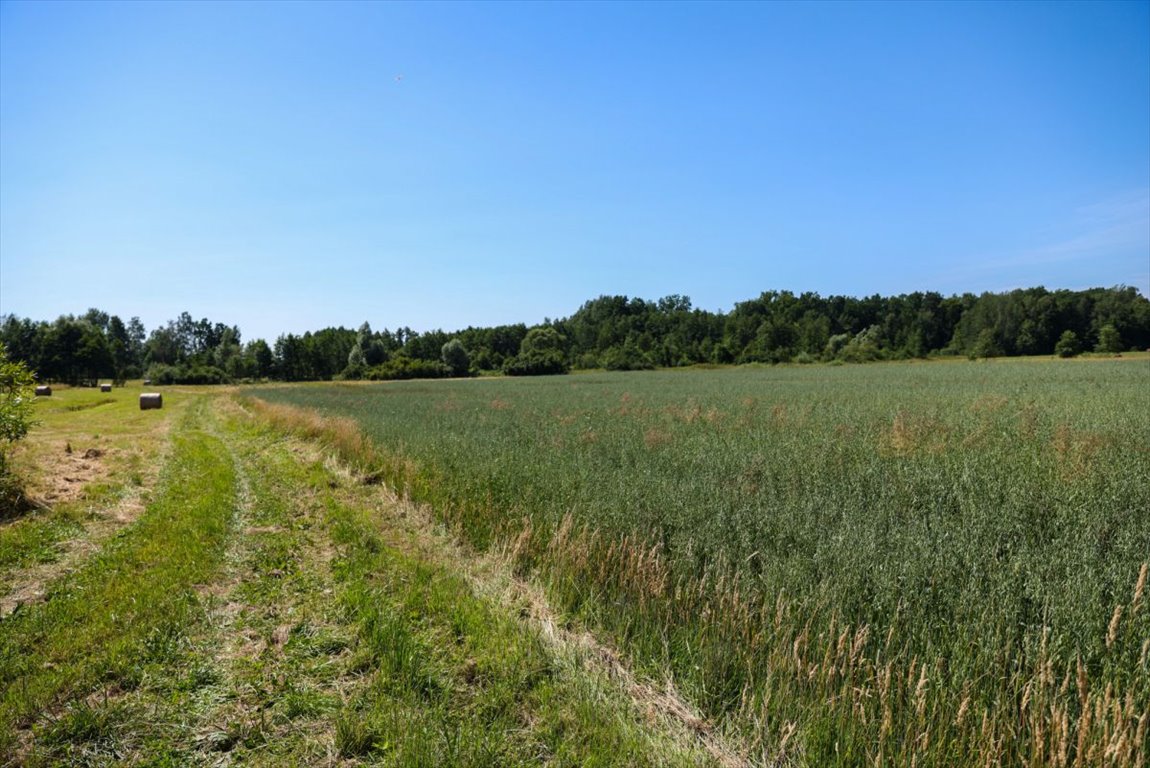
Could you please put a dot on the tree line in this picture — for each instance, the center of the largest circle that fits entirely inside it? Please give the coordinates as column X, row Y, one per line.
column 612, row 332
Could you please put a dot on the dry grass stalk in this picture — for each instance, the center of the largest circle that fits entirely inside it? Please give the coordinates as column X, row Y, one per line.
column 1112, row 630
column 1139, row 589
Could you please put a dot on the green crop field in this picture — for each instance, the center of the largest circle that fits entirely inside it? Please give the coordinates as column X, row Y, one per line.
column 931, row 563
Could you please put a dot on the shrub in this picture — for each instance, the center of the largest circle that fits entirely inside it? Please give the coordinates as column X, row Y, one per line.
column 587, row 361
column 986, row 345
column 863, row 348
column 835, row 345
column 1109, row 340
column 203, row 374
column 627, row 358
column 540, row 354
column 1067, row 345
column 15, row 421
column 356, row 364
column 456, row 358
column 161, row 374
column 15, row 398
column 403, row 367
column 484, row 360
column 536, row 364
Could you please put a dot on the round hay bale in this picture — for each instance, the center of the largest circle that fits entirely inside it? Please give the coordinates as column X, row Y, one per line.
column 43, row 391
column 150, row 400
column 105, row 387
column 147, row 382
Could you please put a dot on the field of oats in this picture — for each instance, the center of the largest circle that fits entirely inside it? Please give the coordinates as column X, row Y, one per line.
column 897, row 564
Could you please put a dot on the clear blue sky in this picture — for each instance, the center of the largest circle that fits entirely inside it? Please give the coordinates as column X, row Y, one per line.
column 286, row 167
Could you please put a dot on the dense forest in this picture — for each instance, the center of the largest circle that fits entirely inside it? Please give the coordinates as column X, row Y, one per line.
column 612, row 332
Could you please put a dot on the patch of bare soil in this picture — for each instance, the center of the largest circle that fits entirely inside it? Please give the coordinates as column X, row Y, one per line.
column 69, row 473
column 76, row 471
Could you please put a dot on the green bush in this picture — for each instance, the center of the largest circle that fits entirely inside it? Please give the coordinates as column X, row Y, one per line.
column 540, row 354
column 203, row 374
column 403, row 367
column 536, row 364
column 627, row 358
column 15, row 398
column 456, row 358
column 863, row 348
column 986, row 345
column 15, row 421
column 1109, row 340
column 160, row 374
column 1067, row 345
column 588, row 361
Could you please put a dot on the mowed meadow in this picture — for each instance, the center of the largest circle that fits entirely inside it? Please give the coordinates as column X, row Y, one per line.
column 937, row 563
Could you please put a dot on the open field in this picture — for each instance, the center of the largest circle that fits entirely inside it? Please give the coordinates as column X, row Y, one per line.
column 932, row 564
column 928, row 564
column 262, row 605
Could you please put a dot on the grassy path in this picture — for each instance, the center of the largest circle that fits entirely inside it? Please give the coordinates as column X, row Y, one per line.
column 118, row 619
column 269, row 608
column 275, row 641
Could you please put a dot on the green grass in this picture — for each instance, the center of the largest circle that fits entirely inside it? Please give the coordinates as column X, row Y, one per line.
column 125, row 610
column 70, row 423
column 35, row 540
column 927, row 562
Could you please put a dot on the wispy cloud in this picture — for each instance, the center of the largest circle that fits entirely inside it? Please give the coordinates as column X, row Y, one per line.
column 1104, row 243
column 1118, row 224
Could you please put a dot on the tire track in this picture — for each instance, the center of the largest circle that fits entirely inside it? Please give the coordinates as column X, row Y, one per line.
column 259, row 615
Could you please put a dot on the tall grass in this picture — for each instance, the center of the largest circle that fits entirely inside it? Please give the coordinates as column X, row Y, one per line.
column 898, row 564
